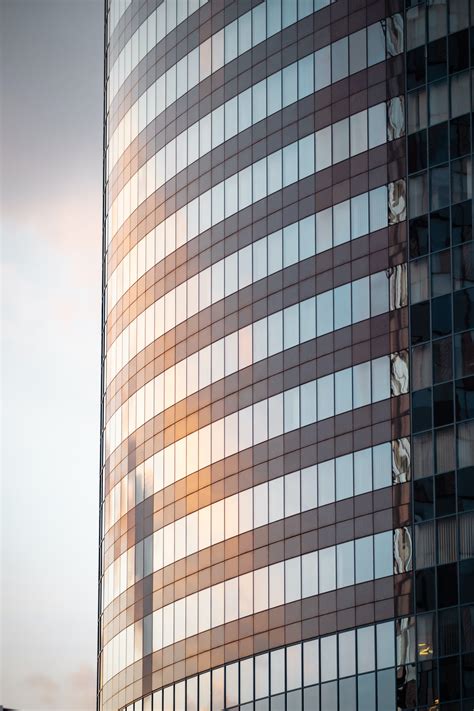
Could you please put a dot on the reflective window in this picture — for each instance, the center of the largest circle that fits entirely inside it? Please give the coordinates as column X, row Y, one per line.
column 366, row 692
column 365, row 649
column 277, row 671
column 261, row 675
column 327, row 569
column 328, row 658
column 364, row 559
column 345, row 564
column 347, row 654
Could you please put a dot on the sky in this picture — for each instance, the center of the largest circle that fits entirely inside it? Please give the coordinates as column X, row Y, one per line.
column 50, row 189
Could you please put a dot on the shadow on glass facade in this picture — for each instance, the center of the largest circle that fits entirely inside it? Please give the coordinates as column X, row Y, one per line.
column 439, row 165
column 287, row 444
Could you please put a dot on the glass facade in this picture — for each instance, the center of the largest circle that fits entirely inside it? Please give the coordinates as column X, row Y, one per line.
column 287, row 429
column 439, row 166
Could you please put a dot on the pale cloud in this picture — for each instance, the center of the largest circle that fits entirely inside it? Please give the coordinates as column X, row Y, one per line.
column 45, row 689
column 75, row 691
column 83, row 685
column 50, row 281
column 68, row 218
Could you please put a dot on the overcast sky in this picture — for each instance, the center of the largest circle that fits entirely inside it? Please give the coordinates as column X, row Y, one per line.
column 51, row 136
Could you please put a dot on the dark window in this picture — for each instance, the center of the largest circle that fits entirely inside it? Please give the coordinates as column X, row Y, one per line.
column 460, row 136
column 468, row 674
column 420, row 322
column 458, row 51
column 439, row 229
column 419, row 236
column 467, row 628
column 425, row 590
column 421, row 410
column 466, row 489
column 461, row 219
column 423, row 499
column 448, row 631
column 443, row 405
column 465, row 398
column 466, row 580
column 427, row 682
column 445, row 494
column 449, row 687
column 438, row 143
column 437, row 55
column 416, row 67
column 441, row 315
column 439, row 187
column 417, row 153
column 447, row 585
column 464, row 309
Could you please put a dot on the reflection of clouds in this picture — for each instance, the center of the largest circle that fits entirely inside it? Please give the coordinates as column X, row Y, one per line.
column 83, row 687
column 45, row 687
column 77, row 691
column 83, row 677
column 51, row 252
column 63, row 231
column 50, row 281
column 66, row 219
column 51, row 267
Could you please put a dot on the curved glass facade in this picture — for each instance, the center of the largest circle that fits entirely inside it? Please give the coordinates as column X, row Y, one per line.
column 266, row 534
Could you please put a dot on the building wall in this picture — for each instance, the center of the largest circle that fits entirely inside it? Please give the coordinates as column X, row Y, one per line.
column 439, row 158
column 257, row 505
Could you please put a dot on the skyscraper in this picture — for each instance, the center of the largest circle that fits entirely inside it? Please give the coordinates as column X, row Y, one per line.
column 287, row 460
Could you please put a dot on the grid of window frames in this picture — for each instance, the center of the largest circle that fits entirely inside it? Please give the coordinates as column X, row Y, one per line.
column 318, row 572
column 311, row 73
column 350, row 475
column 294, row 243
column 281, row 497
column 351, row 669
column 440, row 53
column 237, row 37
column 116, row 10
column 359, row 132
column 330, row 310
column 315, row 400
column 161, row 21
column 354, row 669
column 336, row 225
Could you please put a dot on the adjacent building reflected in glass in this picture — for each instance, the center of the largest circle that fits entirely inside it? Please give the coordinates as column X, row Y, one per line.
column 287, row 444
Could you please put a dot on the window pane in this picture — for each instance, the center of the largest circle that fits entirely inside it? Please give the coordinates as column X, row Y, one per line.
column 364, row 559
column 340, row 140
column 322, row 67
column 328, row 657
column 347, row 655
column 365, row 649
column 345, row 564
column 439, row 105
column 385, row 645
column 358, row 133
column 366, row 692
column 339, row 59
column 327, row 569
